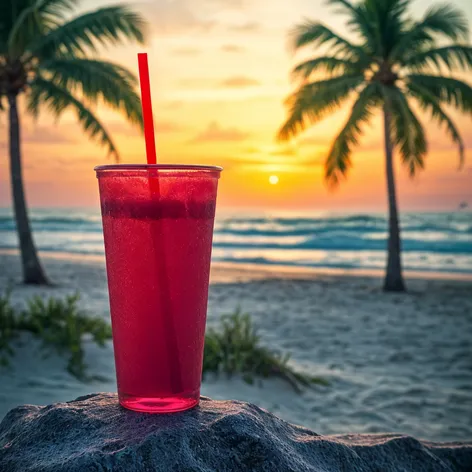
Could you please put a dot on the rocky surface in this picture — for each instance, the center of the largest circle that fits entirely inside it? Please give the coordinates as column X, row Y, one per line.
column 93, row 433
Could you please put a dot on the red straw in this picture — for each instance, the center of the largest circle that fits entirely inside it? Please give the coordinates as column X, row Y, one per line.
column 171, row 335
column 147, row 107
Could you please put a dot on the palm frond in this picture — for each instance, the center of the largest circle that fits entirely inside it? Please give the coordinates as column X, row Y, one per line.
column 57, row 100
column 430, row 104
column 26, row 26
column 359, row 21
column 443, row 20
column 406, row 130
column 317, row 34
column 454, row 57
column 325, row 64
column 313, row 101
column 388, row 23
column 97, row 80
column 338, row 161
column 54, row 10
column 446, row 20
column 35, row 20
column 446, row 90
column 105, row 26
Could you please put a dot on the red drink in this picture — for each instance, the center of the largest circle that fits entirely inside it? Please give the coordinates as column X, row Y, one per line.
column 158, row 228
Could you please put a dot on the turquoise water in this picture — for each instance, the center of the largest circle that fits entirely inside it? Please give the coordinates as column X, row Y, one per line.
column 439, row 242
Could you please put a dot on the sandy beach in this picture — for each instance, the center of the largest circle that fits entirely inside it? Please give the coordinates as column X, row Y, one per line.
column 394, row 362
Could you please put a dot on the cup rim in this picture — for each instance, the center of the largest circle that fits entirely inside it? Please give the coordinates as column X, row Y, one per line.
column 177, row 167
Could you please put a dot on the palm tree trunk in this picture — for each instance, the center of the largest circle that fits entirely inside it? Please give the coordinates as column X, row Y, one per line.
column 33, row 272
column 393, row 277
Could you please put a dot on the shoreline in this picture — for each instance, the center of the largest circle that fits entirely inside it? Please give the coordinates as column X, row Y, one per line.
column 261, row 271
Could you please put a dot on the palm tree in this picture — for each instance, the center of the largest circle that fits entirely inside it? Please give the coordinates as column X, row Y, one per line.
column 50, row 59
column 392, row 62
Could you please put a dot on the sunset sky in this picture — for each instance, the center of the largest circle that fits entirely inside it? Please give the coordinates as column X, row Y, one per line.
column 220, row 73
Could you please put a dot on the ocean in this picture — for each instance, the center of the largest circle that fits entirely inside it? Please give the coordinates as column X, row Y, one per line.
column 434, row 242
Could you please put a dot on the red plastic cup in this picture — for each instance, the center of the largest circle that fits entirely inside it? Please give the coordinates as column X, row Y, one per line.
column 158, row 230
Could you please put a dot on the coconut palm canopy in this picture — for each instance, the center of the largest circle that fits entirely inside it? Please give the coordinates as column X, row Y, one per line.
column 51, row 58
column 394, row 63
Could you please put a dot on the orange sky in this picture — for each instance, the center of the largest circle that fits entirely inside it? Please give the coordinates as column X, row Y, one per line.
column 220, row 72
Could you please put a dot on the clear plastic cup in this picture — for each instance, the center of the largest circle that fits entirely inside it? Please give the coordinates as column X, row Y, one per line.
column 158, row 229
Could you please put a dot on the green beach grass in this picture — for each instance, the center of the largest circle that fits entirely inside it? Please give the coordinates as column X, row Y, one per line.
column 61, row 326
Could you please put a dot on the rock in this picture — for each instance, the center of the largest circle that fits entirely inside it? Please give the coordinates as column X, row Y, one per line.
column 93, row 433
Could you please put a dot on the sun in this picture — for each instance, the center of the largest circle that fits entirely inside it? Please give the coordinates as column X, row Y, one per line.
column 273, row 180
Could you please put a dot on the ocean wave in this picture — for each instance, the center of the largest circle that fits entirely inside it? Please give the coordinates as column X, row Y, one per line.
column 333, row 228
column 346, row 260
column 277, row 226
column 54, row 224
column 440, row 241
column 348, row 242
column 345, row 265
column 268, row 261
column 359, row 246
column 66, row 220
column 303, row 220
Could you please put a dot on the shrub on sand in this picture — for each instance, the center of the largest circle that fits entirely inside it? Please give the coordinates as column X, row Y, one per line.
column 7, row 328
column 235, row 348
column 58, row 323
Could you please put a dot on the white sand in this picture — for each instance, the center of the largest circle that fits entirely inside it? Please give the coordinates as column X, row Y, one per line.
column 395, row 362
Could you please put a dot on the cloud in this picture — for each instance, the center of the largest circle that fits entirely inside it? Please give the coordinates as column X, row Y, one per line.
column 229, row 3
column 309, row 140
column 250, row 150
column 272, row 155
column 172, row 105
column 209, row 83
column 197, row 83
column 286, row 151
column 44, row 135
column 119, row 127
column 239, row 82
column 171, row 17
column 249, row 27
column 122, row 128
column 232, row 48
column 267, row 164
column 318, row 160
column 176, row 16
column 317, row 140
column 215, row 133
column 70, row 162
column 186, row 51
column 167, row 127
column 438, row 142
column 455, row 177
